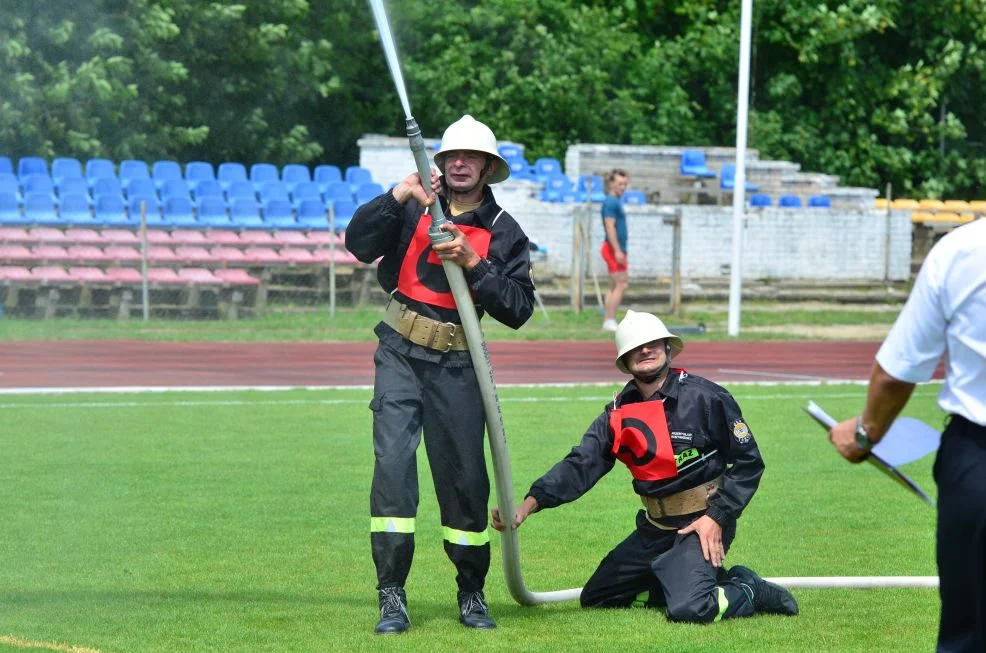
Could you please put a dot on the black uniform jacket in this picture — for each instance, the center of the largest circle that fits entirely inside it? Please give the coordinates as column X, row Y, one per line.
column 702, row 416
column 501, row 283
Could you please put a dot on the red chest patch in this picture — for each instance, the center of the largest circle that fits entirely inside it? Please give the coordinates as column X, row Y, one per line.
column 422, row 277
column 641, row 440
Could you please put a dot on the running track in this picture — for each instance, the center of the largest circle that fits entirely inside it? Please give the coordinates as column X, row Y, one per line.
column 130, row 363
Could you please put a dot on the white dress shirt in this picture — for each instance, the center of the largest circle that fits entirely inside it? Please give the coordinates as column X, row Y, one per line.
column 946, row 314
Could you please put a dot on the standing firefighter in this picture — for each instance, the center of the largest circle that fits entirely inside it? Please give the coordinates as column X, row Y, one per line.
column 424, row 375
column 695, row 466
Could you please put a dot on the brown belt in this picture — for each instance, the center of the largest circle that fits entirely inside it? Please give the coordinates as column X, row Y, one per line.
column 424, row 331
column 681, row 503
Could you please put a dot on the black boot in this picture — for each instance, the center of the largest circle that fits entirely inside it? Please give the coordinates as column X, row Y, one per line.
column 473, row 611
column 393, row 612
column 767, row 597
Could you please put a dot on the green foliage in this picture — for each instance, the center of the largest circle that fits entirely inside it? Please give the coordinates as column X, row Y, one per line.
column 873, row 91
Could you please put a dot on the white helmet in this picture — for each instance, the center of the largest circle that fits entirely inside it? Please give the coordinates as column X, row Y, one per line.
column 467, row 133
column 637, row 329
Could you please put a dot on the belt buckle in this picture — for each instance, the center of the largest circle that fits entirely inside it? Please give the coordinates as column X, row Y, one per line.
column 451, row 335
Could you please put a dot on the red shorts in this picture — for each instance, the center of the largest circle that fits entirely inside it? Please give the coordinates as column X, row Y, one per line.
column 610, row 257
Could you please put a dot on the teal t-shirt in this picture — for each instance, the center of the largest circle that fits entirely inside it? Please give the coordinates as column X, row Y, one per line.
column 613, row 209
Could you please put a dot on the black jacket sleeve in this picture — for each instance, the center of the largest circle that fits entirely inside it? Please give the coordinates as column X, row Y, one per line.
column 581, row 469
column 502, row 283
column 375, row 229
column 744, row 465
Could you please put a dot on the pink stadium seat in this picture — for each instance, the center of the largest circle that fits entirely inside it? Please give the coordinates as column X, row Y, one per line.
column 164, row 276
column 223, row 237
column 322, row 238
column 341, row 257
column 158, row 237
column 83, row 236
column 14, row 273
column 200, row 276
column 236, row 277
column 263, row 256
column 298, row 256
column 292, row 239
column 192, row 254
column 229, row 255
column 51, row 254
column 89, row 275
column 13, row 235
column 51, row 274
column 257, row 238
column 16, row 254
column 189, row 237
column 158, row 254
column 49, row 235
column 123, row 275
column 122, row 254
column 87, row 253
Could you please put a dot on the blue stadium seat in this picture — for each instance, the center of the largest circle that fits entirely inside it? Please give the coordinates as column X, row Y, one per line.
column 338, row 190
column 175, row 188
column 326, row 174
column 634, row 198
column 357, row 176
column 554, row 186
column 73, row 209
column 312, row 215
column 820, row 201
column 31, row 165
column 240, row 189
column 569, row 197
column 693, row 164
column 133, row 169
column 107, row 186
column 230, row 172
column 306, row 190
column 37, row 185
column 152, row 209
column 10, row 209
column 342, row 213
column 789, row 201
column 178, row 212
column 74, row 186
column 197, row 171
column 760, row 200
column 164, row 171
column 244, row 213
column 263, row 173
column 65, row 168
column 593, row 185
column 279, row 214
column 510, row 151
column 39, row 208
column 367, row 192
column 136, row 187
column 10, row 185
column 110, row 211
column 727, row 179
column 99, row 169
column 295, row 173
column 213, row 212
column 547, row 167
column 207, row 188
column 6, row 166
column 274, row 190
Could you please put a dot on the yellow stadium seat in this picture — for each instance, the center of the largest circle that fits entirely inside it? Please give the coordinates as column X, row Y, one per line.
column 905, row 204
column 978, row 205
column 920, row 217
column 880, row 203
column 931, row 205
column 947, row 217
column 956, row 205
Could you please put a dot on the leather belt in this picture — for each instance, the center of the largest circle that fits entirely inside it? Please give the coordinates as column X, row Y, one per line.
column 681, row 503
column 424, row 331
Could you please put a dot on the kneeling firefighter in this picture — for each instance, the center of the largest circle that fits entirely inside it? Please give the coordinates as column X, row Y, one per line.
column 695, row 466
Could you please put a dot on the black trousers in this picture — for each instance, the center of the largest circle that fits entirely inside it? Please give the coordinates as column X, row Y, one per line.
column 960, row 472
column 653, row 567
column 410, row 395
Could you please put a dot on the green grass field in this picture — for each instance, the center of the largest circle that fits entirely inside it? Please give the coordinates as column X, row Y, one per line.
column 239, row 522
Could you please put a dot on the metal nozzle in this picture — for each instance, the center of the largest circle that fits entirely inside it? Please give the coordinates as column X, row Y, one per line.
column 420, row 153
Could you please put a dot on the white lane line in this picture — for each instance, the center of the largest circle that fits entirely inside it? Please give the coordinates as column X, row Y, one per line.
column 781, row 375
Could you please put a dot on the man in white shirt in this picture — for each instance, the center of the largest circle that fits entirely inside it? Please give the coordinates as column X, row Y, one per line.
column 945, row 314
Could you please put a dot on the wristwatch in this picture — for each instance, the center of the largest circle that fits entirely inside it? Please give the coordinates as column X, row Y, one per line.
column 862, row 437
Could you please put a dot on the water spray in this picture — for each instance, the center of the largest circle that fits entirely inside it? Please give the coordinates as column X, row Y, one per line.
column 478, row 351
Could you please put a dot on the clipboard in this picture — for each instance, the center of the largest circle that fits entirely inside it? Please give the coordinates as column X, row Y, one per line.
column 826, row 421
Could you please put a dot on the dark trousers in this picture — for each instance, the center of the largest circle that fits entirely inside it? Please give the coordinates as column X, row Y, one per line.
column 670, row 571
column 410, row 395
column 960, row 472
